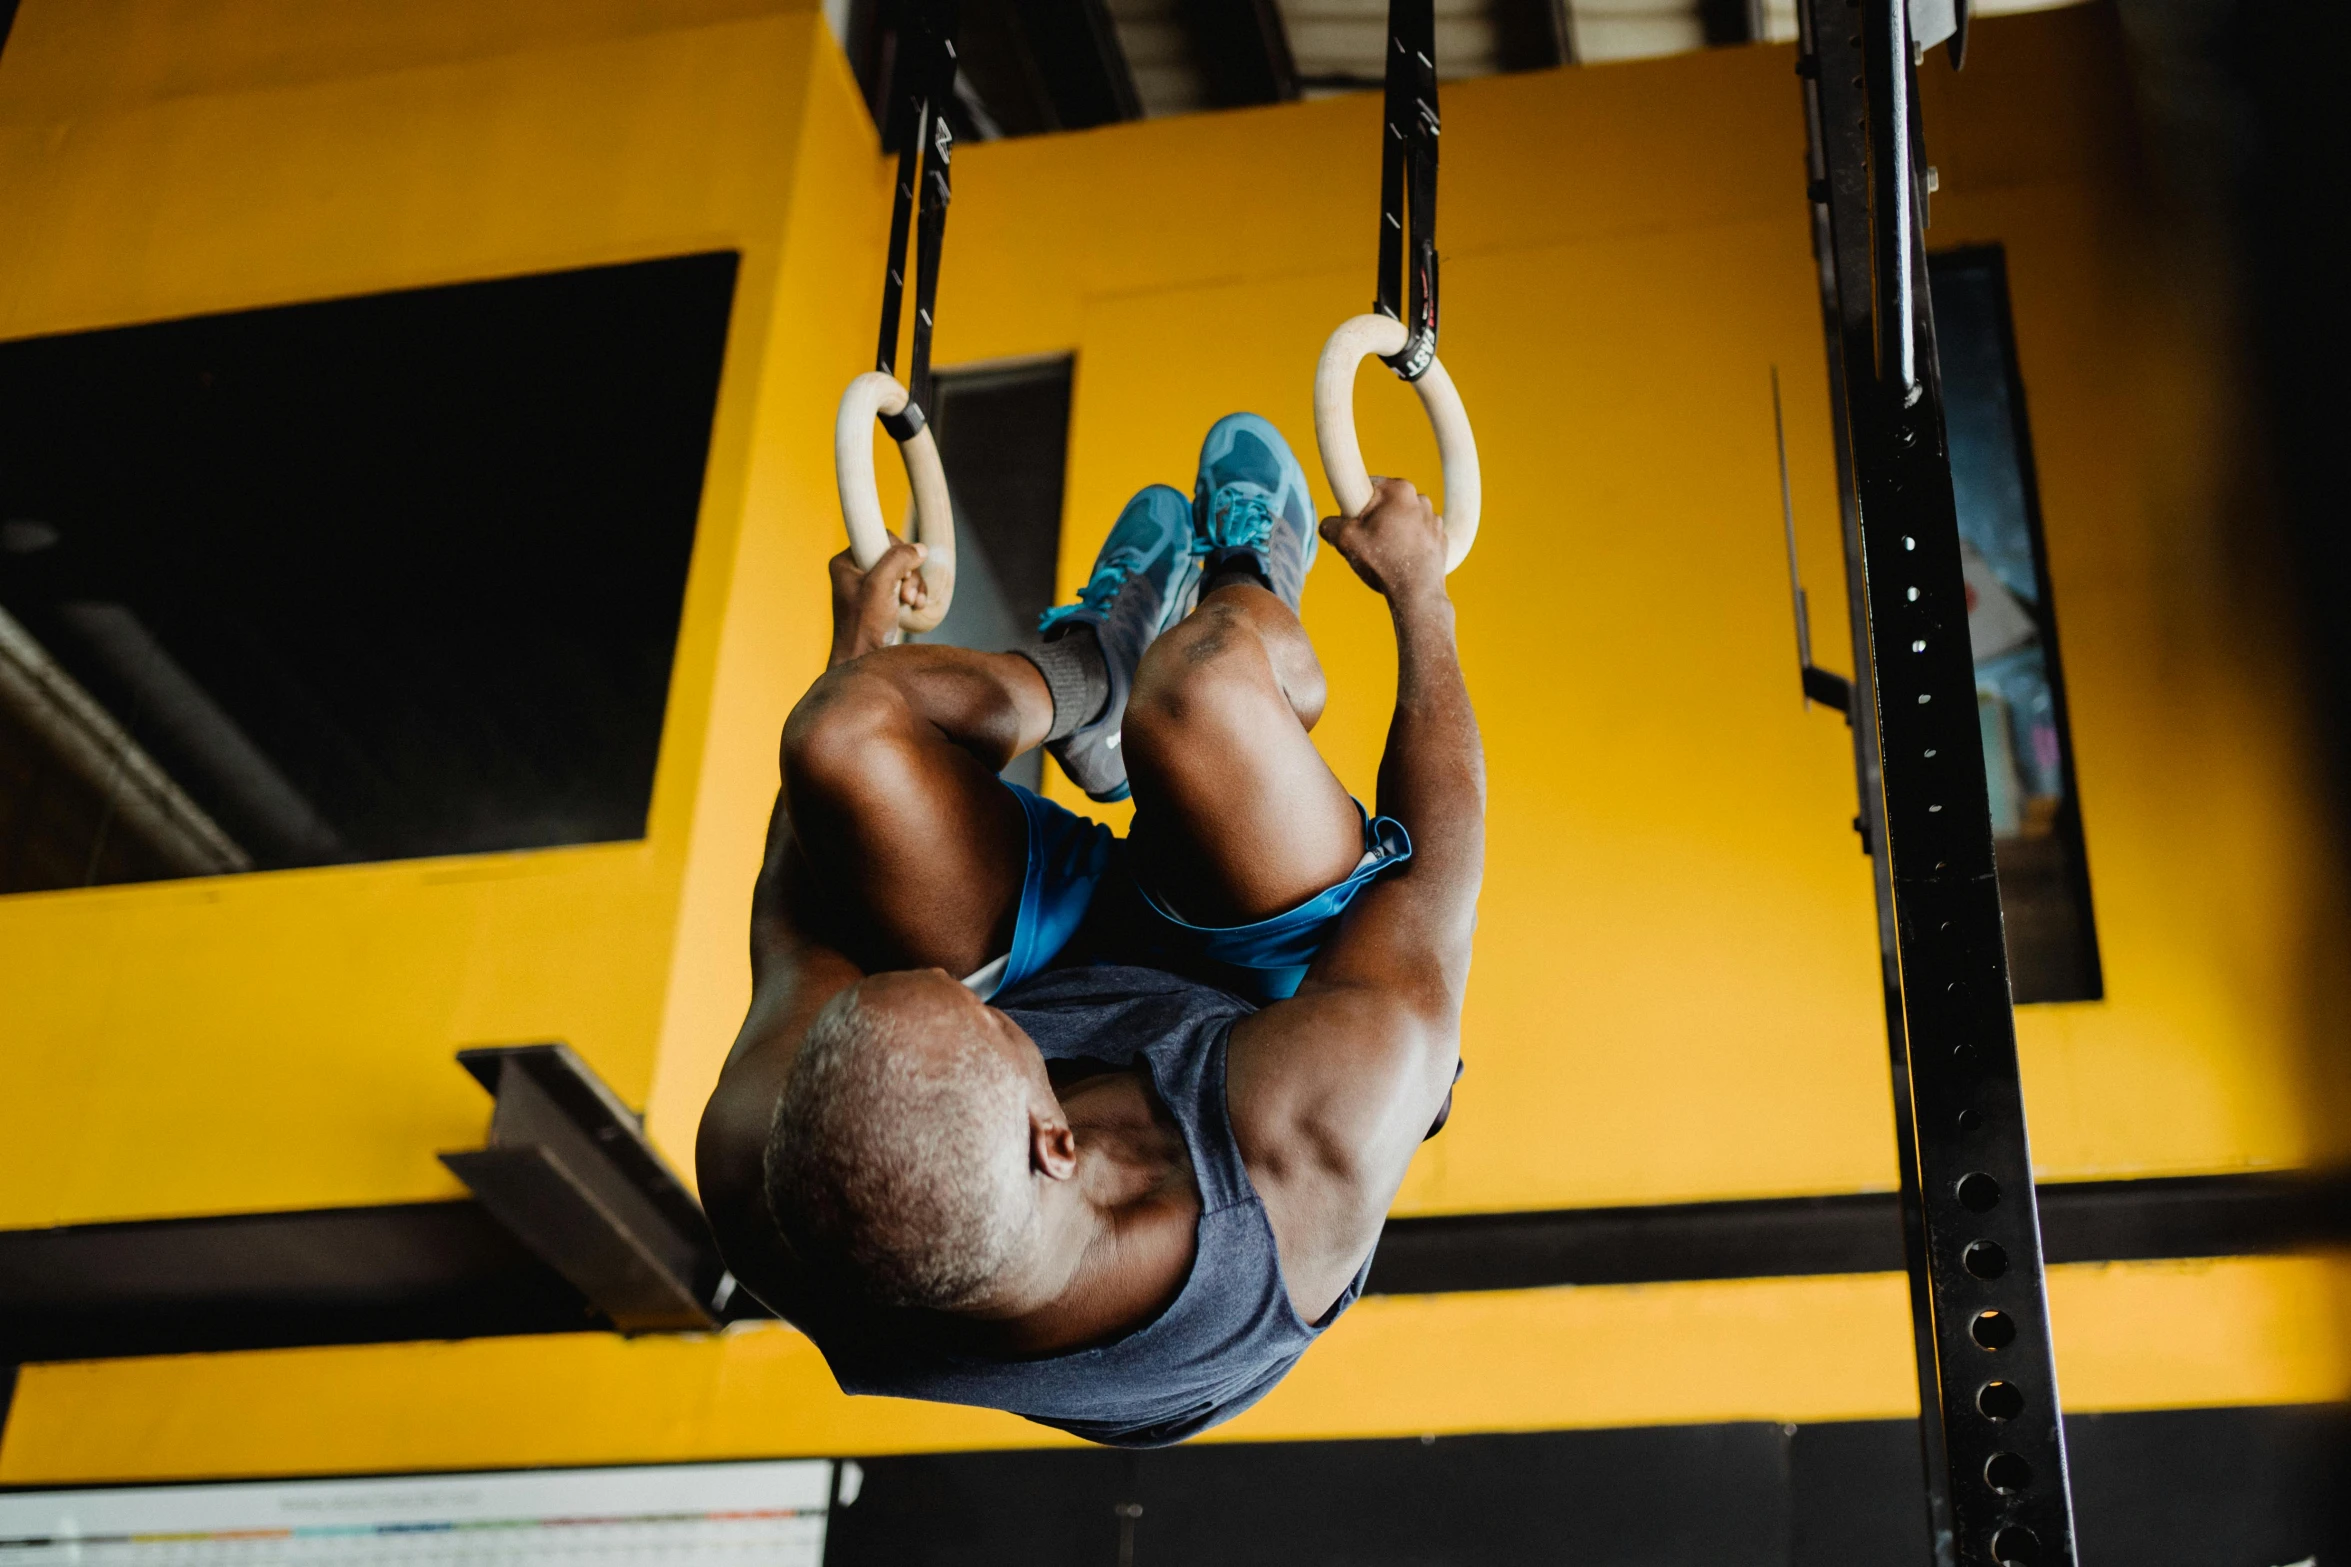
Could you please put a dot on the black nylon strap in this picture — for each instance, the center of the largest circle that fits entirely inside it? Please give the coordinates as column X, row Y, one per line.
column 1408, row 185
column 921, row 82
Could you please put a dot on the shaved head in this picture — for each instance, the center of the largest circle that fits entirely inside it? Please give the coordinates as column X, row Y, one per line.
column 899, row 1151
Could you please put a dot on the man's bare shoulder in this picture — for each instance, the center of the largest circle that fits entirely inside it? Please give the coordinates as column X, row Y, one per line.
column 731, row 1148
column 731, row 1165
column 1327, row 1097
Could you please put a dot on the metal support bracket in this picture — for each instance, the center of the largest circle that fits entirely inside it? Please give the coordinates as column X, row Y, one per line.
column 569, row 1172
column 1828, row 688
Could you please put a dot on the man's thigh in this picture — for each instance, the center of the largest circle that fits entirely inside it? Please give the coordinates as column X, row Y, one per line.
column 916, row 849
column 1237, row 816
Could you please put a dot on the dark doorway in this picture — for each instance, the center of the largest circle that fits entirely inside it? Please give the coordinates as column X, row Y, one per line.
column 1004, row 440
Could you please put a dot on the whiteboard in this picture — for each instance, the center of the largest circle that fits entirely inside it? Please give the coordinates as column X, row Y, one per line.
column 673, row 1515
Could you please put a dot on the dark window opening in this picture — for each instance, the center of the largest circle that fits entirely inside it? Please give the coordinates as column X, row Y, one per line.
column 1004, row 441
column 358, row 580
column 2012, row 623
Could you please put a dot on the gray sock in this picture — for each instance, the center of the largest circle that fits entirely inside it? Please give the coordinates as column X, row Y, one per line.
column 1076, row 675
column 1238, row 564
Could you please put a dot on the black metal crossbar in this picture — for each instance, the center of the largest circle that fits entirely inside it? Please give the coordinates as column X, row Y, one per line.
column 1994, row 1446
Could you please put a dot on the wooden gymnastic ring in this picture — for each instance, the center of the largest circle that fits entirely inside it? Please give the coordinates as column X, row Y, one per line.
column 1342, row 455
column 871, row 396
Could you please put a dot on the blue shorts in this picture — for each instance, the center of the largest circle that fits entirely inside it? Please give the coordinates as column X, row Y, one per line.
column 1081, row 902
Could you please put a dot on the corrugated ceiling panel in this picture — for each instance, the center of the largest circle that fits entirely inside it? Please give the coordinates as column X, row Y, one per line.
column 1337, row 44
column 1634, row 29
column 1337, row 41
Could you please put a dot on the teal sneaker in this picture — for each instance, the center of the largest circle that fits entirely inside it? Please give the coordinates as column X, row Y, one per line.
column 1250, row 500
column 1140, row 583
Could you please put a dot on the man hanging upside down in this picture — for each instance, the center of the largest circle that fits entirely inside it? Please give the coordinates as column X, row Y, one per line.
column 1101, row 1131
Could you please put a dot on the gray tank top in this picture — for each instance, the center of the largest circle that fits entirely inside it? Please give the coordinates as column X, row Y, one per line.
column 1228, row 1336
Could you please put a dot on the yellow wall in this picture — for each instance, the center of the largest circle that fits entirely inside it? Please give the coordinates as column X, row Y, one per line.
column 284, row 1040
column 2129, row 1336
column 1675, row 993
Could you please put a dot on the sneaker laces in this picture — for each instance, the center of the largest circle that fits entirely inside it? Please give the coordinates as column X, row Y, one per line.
column 1110, row 576
column 1242, row 519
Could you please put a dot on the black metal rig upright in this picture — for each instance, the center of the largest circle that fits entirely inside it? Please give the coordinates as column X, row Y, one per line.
column 1997, row 1491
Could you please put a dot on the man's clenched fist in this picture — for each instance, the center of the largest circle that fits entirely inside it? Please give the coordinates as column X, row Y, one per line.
column 866, row 603
column 1397, row 546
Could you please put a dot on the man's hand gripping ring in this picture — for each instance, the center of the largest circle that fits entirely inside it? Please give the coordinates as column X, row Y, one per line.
column 1342, row 455
column 875, row 395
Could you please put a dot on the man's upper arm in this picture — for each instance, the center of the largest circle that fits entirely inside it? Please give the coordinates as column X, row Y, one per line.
column 1406, row 937
column 1377, row 1020
column 792, row 977
column 1332, row 1091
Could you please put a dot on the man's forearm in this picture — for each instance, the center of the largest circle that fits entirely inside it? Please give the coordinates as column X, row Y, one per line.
column 1433, row 774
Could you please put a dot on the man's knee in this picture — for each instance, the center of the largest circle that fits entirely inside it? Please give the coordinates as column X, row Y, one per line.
column 841, row 732
column 1220, row 670
column 1198, row 669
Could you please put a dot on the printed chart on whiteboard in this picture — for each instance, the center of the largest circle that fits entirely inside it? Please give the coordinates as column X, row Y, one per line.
column 674, row 1515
